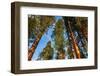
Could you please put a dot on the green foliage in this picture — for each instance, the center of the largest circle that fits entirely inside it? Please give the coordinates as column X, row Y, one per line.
column 33, row 24
column 59, row 38
column 47, row 53
column 82, row 29
column 38, row 24
column 61, row 53
column 70, row 53
column 79, row 25
column 82, row 25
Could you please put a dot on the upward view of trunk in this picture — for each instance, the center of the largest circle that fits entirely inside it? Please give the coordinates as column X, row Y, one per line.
column 79, row 31
column 76, row 49
column 34, row 45
column 38, row 25
column 32, row 49
column 69, row 23
column 69, row 40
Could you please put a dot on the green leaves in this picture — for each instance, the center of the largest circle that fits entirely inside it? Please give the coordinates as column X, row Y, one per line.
column 47, row 53
column 59, row 38
column 38, row 24
column 68, row 32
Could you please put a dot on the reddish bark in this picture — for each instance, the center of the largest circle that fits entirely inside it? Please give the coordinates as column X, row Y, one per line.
column 32, row 49
column 77, row 52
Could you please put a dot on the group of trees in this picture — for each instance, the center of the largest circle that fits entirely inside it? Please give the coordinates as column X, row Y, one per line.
column 74, row 45
column 76, row 36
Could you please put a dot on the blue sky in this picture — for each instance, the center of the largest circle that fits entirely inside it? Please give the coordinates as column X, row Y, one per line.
column 58, row 17
column 44, row 40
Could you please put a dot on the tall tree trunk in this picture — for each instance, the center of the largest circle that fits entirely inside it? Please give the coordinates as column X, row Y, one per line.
column 34, row 45
column 69, row 22
column 77, row 52
column 41, row 22
column 83, row 44
column 32, row 49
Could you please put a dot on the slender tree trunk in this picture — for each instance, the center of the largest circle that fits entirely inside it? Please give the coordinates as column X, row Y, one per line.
column 34, row 45
column 32, row 49
column 77, row 52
